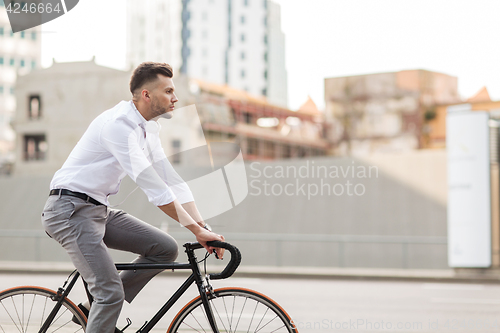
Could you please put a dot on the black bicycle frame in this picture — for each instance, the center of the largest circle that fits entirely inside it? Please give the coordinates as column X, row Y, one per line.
column 196, row 276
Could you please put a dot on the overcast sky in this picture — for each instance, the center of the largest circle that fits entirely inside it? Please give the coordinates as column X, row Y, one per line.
column 327, row 38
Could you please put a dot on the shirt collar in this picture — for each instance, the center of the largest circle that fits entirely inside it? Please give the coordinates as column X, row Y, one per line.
column 141, row 121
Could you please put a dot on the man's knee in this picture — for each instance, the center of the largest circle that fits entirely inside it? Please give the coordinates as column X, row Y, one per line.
column 165, row 250
column 111, row 293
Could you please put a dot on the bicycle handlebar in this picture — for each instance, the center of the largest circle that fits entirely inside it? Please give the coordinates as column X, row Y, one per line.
column 233, row 264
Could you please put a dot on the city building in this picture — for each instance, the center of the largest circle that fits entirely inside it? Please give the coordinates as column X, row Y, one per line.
column 435, row 133
column 19, row 53
column 55, row 106
column 233, row 42
column 263, row 131
column 384, row 112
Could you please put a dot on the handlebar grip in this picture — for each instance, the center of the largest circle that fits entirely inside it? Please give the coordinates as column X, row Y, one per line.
column 233, row 264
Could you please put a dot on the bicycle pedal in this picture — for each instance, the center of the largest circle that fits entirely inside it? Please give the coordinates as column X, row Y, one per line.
column 129, row 322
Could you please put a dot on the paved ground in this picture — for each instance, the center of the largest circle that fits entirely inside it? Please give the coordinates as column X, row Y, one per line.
column 333, row 305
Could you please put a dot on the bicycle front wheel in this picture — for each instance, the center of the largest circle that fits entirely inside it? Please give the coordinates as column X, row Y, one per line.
column 25, row 309
column 235, row 310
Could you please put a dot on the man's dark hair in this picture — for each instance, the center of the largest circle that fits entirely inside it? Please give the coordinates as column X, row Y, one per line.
column 148, row 72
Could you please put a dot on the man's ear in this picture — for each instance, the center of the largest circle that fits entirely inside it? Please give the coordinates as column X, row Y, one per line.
column 145, row 94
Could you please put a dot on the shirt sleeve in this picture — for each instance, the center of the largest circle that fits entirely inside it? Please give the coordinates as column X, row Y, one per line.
column 168, row 174
column 121, row 138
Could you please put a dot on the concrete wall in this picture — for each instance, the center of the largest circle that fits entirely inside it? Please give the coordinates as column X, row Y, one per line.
column 392, row 213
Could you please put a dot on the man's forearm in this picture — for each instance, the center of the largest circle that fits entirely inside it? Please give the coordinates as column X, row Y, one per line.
column 192, row 210
column 176, row 211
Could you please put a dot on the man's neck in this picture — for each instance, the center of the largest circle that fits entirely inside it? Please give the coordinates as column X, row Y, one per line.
column 140, row 110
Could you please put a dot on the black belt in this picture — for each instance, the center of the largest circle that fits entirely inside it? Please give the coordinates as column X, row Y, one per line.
column 82, row 196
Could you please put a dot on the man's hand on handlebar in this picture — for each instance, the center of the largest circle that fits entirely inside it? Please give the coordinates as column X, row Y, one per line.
column 203, row 236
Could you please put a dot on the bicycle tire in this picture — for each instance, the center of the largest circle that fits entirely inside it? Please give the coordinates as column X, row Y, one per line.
column 25, row 309
column 235, row 310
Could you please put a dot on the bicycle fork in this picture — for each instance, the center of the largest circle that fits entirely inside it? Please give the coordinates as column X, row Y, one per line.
column 204, row 288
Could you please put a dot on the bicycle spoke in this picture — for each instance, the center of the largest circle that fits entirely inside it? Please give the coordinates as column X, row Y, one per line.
column 193, row 328
column 17, row 313
column 222, row 322
column 62, row 326
column 249, row 312
column 31, row 311
column 241, row 313
column 232, row 313
column 22, row 316
column 56, row 319
column 227, row 314
column 198, row 322
column 267, row 323
column 12, row 319
column 253, row 315
column 261, row 320
column 277, row 329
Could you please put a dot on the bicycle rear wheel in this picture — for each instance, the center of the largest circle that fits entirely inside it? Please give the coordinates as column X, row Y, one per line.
column 25, row 309
column 235, row 310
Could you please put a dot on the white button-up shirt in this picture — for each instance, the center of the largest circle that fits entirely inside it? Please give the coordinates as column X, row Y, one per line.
column 118, row 143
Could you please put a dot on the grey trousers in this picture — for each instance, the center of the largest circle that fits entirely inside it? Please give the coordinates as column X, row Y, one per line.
column 86, row 231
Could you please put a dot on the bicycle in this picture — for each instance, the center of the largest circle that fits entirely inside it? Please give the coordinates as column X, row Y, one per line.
column 30, row 309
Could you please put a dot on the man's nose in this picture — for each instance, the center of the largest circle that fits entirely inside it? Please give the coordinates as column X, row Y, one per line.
column 174, row 99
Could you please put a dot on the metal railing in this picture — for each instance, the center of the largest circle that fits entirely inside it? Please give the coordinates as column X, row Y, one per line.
column 277, row 239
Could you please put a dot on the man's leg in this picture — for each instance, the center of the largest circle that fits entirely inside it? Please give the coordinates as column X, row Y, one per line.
column 80, row 227
column 127, row 233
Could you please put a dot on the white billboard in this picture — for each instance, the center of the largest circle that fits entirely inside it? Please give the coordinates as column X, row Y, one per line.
column 469, row 195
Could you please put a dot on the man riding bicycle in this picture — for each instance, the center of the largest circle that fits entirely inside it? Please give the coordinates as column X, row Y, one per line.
column 77, row 212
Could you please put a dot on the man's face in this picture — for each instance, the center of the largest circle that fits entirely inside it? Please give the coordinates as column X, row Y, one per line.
column 163, row 97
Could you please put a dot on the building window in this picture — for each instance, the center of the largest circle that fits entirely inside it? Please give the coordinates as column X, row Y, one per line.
column 242, row 55
column 33, row 64
column 1, row 89
column 269, row 149
column 22, row 63
column 35, row 147
column 247, row 117
column 34, row 107
column 265, row 75
column 1, row 29
column 1, row 60
column 265, row 4
column 242, row 37
column 11, row 33
column 12, row 62
column 12, row 90
column 265, row 57
column 253, row 147
column 176, row 151
column 22, row 34
column 33, row 35
column 242, row 19
column 264, row 92
column 243, row 73
column 265, row 39
column 245, row 3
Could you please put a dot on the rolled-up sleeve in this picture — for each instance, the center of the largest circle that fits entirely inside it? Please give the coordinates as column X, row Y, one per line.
column 121, row 138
